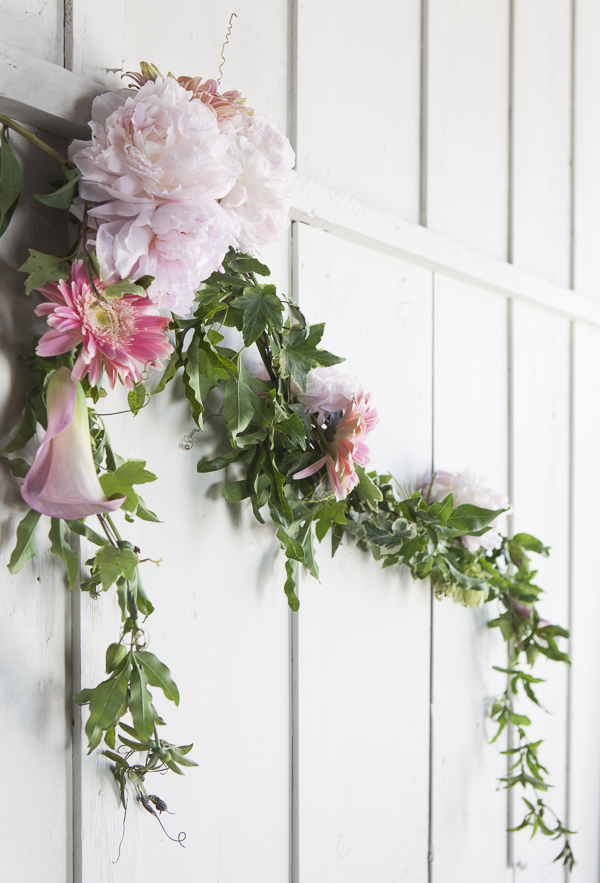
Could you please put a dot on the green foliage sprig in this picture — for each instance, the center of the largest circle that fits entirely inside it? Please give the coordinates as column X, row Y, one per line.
column 271, row 439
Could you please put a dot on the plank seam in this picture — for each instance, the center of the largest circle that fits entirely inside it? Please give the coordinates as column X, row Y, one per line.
column 423, row 125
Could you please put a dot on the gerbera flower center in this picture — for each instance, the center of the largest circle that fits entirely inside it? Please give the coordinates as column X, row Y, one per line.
column 111, row 322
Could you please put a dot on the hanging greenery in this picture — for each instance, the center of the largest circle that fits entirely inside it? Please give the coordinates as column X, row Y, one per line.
column 177, row 187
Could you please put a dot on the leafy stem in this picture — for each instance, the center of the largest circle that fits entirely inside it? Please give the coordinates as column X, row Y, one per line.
column 25, row 133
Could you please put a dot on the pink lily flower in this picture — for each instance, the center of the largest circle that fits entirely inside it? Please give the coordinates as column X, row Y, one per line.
column 347, row 447
column 62, row 481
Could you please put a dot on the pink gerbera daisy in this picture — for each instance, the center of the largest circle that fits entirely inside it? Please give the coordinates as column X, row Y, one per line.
column 346, row 446
column 116, row 334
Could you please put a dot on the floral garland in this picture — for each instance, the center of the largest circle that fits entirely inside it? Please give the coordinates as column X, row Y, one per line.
column 177, row 186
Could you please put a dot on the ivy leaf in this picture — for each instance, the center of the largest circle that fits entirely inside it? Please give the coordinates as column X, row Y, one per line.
column 136, row 398
column 366, row 488
column 61, row 547
column 121, row 481
column 63, row 197
column 113, row 563
column 299, row 353
column 245, row 264
column 43, row 268
column 11, row 182
column 24, row 550
column 140, row 703
column 158, row 674
column 116, row 291
column 261, row 308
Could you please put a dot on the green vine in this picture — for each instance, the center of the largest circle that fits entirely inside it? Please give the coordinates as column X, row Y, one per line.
column 271, row 442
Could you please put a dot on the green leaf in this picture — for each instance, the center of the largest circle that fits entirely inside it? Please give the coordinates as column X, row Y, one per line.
column 146, row 514
column 114, row 563
column 10, row 183
column 145, row 281
column 219, row 462
column 116, row 654
column 106, row 703
column 140, row 703
column 244, row 264
column 136, row 398
column 468, row 518
column 43, row 268
column 116, row 291
column 121, row 481
column 291, row 547
column 180, row 758
column 261, row 308
column 83, row 697
column 299, row 353
column 26, row 430
column 168, row 374
column 63, row 197
column 238, row 406
column 289, row 587
column 18, row 467
column 24, row 550
column 83, row 530
column 366, row 489
column 532, row 544
column 61, row 547
column 158, row 674
column 235, row 491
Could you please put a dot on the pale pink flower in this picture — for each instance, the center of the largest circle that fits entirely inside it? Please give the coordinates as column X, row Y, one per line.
column 347, row 446
column 327, row 391
column 223, row 105
column 179, row 243
column 160, row 144
column 116, row 334
column 467, row 487
column 256, row 198
column 62, row 481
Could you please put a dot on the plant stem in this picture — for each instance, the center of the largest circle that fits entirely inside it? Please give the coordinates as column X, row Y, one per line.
column 10, row 124
column 114, row 529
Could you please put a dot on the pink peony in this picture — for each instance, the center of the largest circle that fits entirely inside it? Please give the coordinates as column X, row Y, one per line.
column 62, row 481
column 347, row 446
column 116, row 334
column 256, row 199
column 467, row 487
column 179, row 243
column 327, row 391
column 159, row 144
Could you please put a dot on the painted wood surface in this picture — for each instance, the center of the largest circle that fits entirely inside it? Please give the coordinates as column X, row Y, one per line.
column 541, row 138
column 540, row 496
column 586, row 258
column 373, row 64
column 35, row 26
column 584, row 763
column 35, row 689
column 467, row 122
column 468, row 817
column 363, row 635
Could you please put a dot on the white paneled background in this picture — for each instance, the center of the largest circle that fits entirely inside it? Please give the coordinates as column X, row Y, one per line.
column 446, row 227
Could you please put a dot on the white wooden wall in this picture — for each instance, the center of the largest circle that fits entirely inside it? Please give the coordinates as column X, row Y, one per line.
column 447, row 157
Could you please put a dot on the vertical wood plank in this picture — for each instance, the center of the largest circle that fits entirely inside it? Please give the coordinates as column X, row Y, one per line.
column 35, row 718
column 363, row 635
column 469, row 812
column 467, row 122
column 540, row 445
column 586, row 139
column 358, row 99
column 584, row 763
column 542, row 139
column 35, row 26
